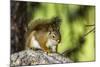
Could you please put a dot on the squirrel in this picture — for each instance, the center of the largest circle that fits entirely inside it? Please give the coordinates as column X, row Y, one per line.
column 44, row 35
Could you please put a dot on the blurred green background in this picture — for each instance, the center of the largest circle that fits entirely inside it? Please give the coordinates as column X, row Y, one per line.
column 77, row 27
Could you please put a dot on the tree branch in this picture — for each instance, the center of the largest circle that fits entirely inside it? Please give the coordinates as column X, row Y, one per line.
column 30, row 57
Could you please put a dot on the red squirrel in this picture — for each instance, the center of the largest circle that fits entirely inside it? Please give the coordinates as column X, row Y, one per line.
column 44, row 35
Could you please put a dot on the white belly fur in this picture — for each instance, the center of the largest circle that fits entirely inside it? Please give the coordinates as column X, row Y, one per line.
column 35, row 43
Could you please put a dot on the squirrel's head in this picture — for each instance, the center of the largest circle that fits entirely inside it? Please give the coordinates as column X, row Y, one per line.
column 54, row 36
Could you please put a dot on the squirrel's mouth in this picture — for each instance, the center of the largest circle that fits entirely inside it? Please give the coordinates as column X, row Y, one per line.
column 51, row 42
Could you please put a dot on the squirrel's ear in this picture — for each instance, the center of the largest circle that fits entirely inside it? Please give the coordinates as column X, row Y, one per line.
column 50, row 28
column 49, row 32
column 56, row 21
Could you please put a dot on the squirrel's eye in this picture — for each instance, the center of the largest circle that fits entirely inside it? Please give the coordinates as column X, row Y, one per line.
column 53, row 36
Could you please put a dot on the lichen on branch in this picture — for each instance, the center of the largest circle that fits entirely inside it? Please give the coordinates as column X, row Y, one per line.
column 30, row 57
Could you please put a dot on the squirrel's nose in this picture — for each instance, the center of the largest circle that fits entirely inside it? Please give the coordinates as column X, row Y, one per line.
column 58, row 41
